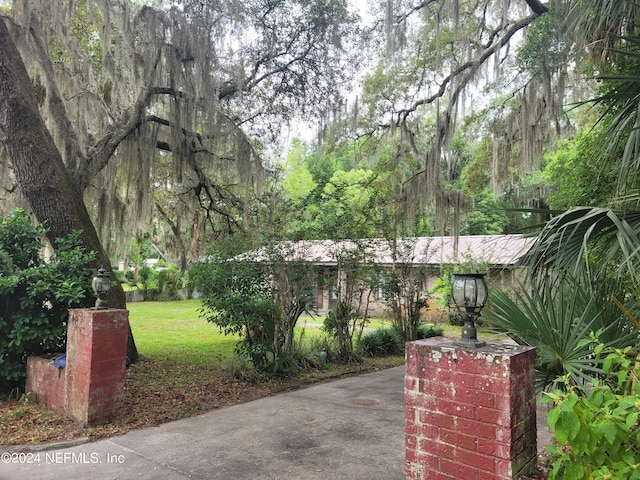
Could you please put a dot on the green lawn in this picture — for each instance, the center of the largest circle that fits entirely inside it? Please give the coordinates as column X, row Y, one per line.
column 173, row 333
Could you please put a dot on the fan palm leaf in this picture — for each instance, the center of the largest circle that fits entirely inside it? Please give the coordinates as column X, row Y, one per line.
column 567, row 241
column 556, row 322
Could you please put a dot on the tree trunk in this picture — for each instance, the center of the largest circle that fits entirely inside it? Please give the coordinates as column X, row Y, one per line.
column 39, row 169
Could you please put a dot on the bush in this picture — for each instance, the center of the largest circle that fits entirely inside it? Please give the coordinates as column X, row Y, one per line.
column 236, row 297
column 556, row 321
column 342, row 323
column 596, row 428
column 455, row 319
column 381, row 342
column 169, row 281
column 261, row 301
column 429, row 330
column 240, row 368
column 35, row 295
column 147, row 279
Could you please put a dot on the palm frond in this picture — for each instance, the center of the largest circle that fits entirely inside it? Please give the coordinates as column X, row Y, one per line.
column 555, row 322
column 567, row 241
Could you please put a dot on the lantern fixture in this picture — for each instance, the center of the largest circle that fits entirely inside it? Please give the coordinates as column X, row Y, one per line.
column 469, row 293
column 101, row 283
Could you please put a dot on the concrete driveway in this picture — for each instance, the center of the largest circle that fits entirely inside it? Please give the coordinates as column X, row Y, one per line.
column 346, row 429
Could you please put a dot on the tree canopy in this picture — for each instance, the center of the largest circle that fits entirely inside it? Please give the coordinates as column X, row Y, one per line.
column 165, row 107
column 167, row 116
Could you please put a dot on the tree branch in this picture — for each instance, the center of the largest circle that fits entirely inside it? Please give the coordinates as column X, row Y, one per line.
column 469, row 66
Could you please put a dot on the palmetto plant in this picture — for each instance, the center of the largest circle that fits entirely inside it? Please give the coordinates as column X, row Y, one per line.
column 587, row 240
column 555, row 320
column 586, row 261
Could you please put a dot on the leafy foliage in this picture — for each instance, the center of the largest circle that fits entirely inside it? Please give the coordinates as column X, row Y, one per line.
column 340, row 323
column 545, row 47
column 486, row 217
column 261, row 301
column 580, row 177
column 556, row 322
column 381, row 342
column 35, row 295
column 403, row 287
column 156, row 283
column 570, row 239
column 598, row 424
column 235, row 296
column 347, row 320
column 426, row 330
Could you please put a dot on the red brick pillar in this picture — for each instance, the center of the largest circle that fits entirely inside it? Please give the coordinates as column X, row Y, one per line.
column 96, row 359
column 470, row 413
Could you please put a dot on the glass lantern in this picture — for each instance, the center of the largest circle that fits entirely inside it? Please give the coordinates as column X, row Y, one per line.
column 101, row 283
column 469, row 293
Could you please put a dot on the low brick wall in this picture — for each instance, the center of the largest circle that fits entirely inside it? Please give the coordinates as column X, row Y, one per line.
column 470, row 413
column 91, row 385
column 49, row 382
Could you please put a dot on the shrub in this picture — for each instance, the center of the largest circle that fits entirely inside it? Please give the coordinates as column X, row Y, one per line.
column 240, row 368
column 147, row 279
column 236, row 298
column 426, row 330
column 35, row 295
column 169, row 281
column 455, row 319
column 342, row 323
column 556, row 321
column 261, row 301
column 596, row 428
column 323, row 347
column 381, row 342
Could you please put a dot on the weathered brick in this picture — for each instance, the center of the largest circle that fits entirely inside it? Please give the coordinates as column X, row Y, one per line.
column 458, row 470
column 436, row 448
column 411, row 441
column 493, row 416
column 477, row 398
column 474, row 427
column 452, row 407
column 411, row 384
column 438, row 419
column 460, row 440
column 95, row 369
column 493, row 448
column 482, row 414
column 478, row 460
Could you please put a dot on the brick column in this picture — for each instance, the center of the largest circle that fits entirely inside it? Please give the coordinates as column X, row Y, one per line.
column 96, row 359
column 470, row 413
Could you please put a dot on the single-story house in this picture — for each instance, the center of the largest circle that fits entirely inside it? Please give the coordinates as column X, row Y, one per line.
column 495, row 255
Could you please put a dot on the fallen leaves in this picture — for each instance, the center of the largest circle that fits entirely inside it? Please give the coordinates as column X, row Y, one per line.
column 157, row 393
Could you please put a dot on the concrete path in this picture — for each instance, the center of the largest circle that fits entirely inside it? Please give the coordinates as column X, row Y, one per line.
column 346, row 429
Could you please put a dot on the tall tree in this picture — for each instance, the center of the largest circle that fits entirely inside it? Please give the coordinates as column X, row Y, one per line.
column 442, row 61
column 596, row 243
column 38, row 166
column 121, row 87
column 132, row 93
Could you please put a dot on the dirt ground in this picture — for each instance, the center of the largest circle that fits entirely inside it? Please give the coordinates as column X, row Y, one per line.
column 155, row 394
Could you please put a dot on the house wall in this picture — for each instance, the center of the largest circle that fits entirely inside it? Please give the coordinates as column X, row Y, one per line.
column 498, row 278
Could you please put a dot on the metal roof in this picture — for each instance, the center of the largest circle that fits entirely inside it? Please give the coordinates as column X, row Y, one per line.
column 493, row 250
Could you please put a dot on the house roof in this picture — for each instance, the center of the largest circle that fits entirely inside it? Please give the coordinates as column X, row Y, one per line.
column 493, row 250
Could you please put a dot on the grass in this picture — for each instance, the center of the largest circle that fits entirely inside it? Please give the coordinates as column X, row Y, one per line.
column 183, row 371
column 450, row 331
column 173, row 333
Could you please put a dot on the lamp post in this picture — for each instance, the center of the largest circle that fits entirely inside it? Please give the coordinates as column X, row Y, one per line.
column 101, row 283
column 469, row 293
